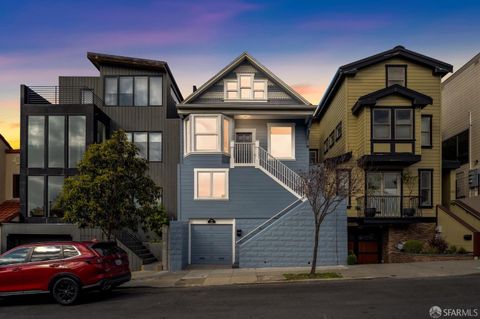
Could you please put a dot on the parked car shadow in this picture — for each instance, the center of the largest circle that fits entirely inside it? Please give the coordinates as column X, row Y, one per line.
column 86, row 298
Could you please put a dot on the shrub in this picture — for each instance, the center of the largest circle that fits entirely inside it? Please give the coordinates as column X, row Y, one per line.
column 452, row 249
column 439, row 243
column 427, row 249
column 413, row 246
column 461, row 250
column 351, row 259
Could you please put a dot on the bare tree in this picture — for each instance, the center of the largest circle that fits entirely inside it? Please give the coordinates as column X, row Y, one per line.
column 326, row 186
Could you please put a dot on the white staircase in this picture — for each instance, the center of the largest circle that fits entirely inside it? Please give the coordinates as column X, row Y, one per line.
column 251, row 154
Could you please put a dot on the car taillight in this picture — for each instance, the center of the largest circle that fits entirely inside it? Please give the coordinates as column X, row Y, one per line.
column 94, row 261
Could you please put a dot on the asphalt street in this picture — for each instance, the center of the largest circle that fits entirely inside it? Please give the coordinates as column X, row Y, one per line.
column 376, row 298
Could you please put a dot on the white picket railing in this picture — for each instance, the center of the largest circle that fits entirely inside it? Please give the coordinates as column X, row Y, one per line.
column 251, row 154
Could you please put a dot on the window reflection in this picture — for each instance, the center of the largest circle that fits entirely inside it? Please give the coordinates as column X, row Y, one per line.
column 36, row 141
column 76, row 139
column 56, row 141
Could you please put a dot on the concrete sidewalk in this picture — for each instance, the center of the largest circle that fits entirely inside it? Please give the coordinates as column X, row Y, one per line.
column 211, row 276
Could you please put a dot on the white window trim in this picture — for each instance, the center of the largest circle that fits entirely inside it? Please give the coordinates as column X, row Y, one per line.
column 218, row 221
column 292, row 125
column 252, row 95
column 194, row 134
column 191, row 127
column 210, row 170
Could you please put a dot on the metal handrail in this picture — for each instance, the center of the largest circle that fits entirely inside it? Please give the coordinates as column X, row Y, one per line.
column 61, row 95
column 385, row 206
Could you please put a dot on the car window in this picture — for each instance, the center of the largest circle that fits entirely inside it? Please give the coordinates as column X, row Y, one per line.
column 106, row 249
column 15, row 257
column 42, row 253
column 70, row 251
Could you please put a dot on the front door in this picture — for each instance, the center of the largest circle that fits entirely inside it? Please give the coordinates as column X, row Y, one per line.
column 244, row 149
column 384, row 193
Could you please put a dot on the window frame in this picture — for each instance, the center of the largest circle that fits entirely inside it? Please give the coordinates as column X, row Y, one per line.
column 211, row 171
column 147, row 157
column 404, row 66
column 189, row 146
column 288, row 124
column 43, row 196
column 395, row 124
column 430, row 117
column 148, row 76
column 420, row 171
column 315, row 152
column 239, row 97
column 389, row 138
column 338, row 131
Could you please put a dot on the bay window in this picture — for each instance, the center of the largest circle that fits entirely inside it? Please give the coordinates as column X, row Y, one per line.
column 281, row 140
column 207, row 134
column 211, row 184
column 403, row 124
column 381, row 124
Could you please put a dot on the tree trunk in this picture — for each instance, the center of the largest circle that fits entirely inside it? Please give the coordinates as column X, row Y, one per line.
column 315, row 249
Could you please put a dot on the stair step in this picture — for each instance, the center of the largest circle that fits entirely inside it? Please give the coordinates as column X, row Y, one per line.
column 149, row 260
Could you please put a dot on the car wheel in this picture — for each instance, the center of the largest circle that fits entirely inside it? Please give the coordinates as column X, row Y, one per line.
column 66, row 291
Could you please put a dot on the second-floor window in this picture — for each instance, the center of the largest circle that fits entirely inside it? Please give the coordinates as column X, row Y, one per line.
column 246, row 87
column 396, row 74
column 426, row 131
column 149, row 144
column 457, row 147
column 401, row 121
column 133, row 91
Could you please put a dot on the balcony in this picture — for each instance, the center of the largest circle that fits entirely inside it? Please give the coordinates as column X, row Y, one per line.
column 388, row 207
column 56, row 95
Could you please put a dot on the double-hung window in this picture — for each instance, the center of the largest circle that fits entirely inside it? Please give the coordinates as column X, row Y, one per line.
column 403, row 124
column 381, row 124
column 206, row 133
column 425, row 187
column 211, row 184
column 281, row 140
column 426, row 131
column 396, row 74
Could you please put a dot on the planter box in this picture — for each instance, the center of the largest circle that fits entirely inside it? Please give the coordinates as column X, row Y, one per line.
column 398, row 257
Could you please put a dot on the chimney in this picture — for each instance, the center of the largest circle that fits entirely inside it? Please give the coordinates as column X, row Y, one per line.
column 194, row 88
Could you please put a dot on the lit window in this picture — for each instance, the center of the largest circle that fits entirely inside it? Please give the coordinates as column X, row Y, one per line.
column 226, row 135
column 245, row 87
column 396, row 75
column 281, row 140
column 205, row 133
column 211, row 183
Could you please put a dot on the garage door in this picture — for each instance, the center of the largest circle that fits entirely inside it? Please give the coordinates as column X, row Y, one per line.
column 211, row 244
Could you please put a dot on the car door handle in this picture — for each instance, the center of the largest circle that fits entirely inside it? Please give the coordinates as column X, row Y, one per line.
column 54, row 265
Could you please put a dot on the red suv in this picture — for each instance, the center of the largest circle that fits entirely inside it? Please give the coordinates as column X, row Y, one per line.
column 64, row 269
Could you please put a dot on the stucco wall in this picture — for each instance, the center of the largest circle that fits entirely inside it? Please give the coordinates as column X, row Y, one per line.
column 289, row 241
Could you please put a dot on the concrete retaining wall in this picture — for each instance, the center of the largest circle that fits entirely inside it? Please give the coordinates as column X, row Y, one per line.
column 289, row 241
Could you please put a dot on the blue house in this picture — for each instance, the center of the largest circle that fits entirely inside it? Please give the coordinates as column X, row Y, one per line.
column 241, row 201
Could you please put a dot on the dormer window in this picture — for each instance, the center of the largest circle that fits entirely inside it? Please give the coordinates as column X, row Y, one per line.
column 397, row 74
column 245, row 87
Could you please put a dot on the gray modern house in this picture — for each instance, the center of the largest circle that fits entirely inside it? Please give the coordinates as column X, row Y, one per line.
column 241, row 202
column 59, row 122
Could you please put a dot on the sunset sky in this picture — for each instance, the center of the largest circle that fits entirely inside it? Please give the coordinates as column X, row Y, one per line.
column 303, row 42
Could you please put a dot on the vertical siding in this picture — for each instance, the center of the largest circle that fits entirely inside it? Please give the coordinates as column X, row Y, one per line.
column 144, row 119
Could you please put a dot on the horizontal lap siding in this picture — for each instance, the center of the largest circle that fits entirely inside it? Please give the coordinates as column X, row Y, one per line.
column 252, row 194
column 261, row 133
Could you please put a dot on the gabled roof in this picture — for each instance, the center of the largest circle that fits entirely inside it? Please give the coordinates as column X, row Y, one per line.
column 438, row 68
column 235, row 63
column 5, row 142
column 9, row 209
column 418, row 99
column 100, row 58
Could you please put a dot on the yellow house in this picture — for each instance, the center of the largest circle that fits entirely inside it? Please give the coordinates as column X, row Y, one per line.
column 381, row 115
